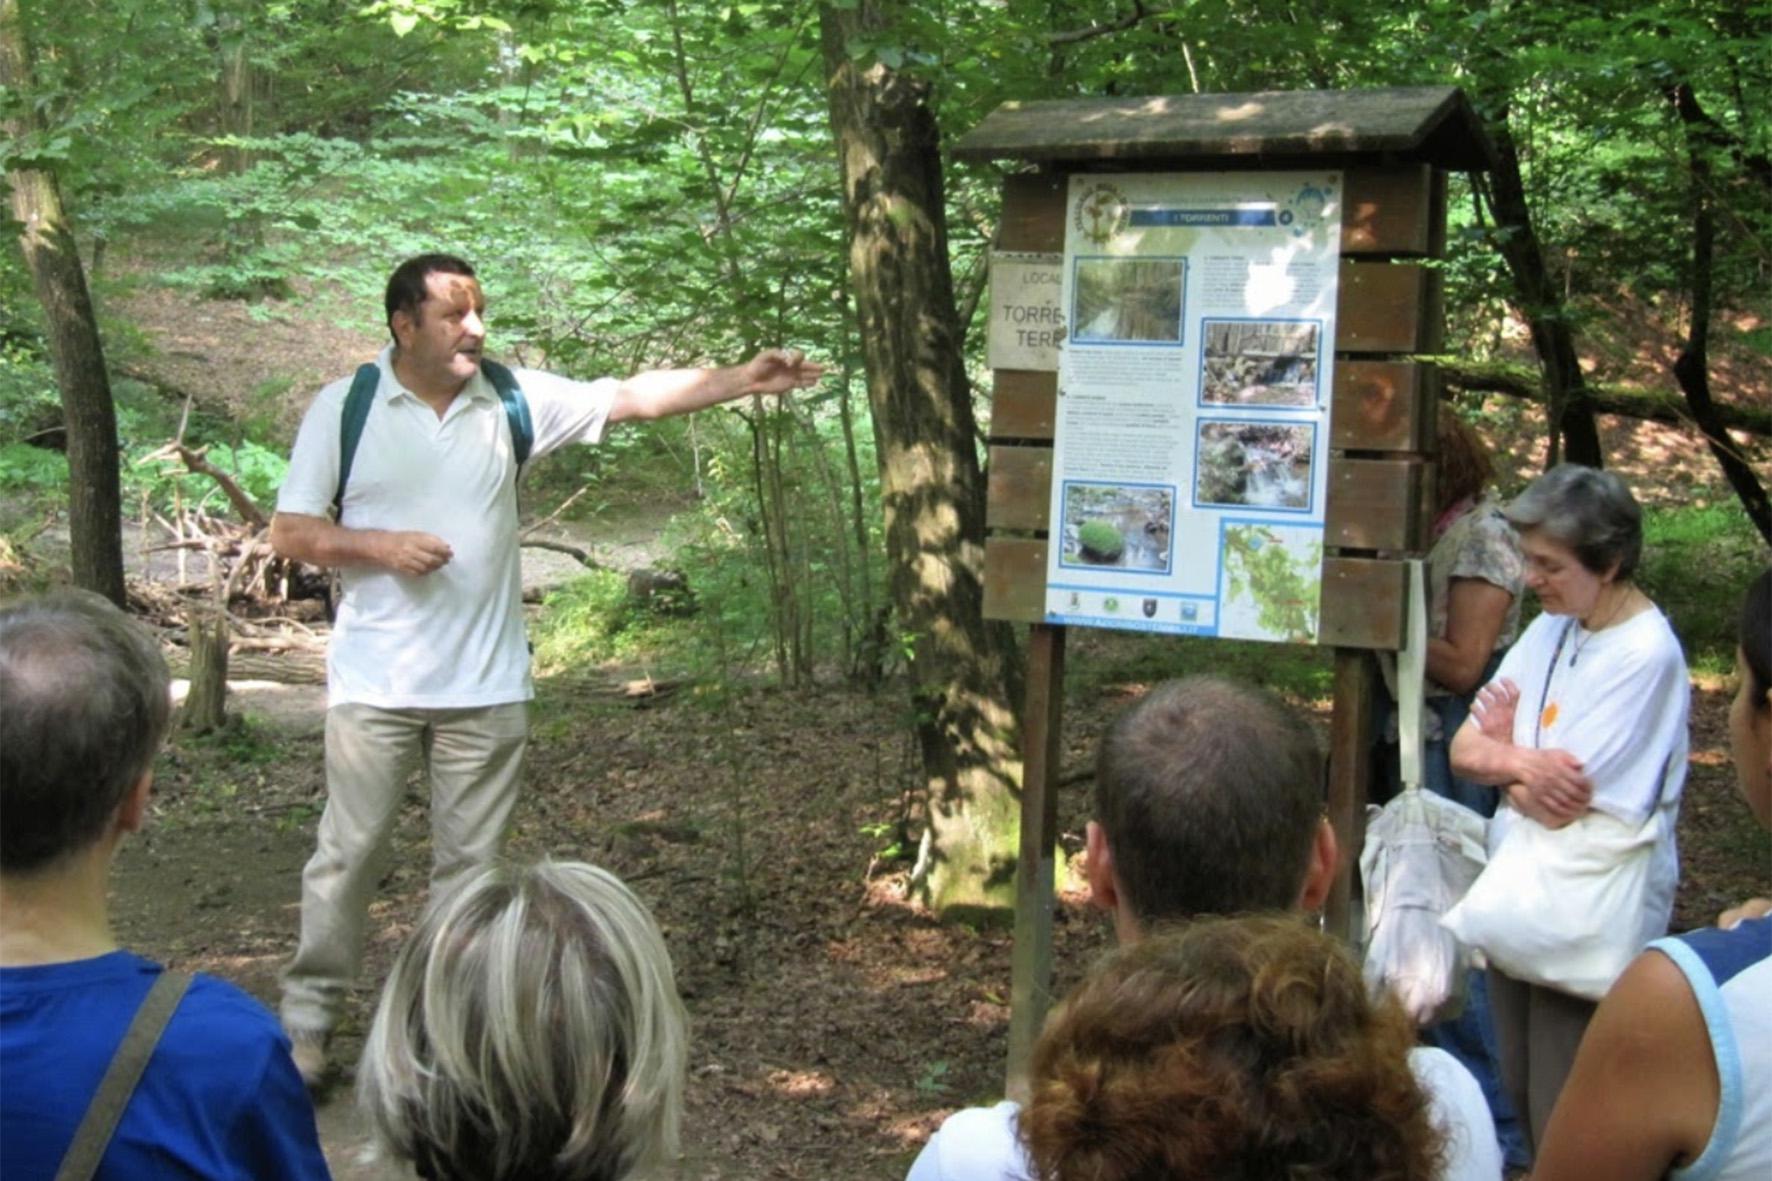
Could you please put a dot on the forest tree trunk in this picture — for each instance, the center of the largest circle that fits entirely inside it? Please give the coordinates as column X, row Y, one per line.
column 964, row 672
column 95, row 511
column 1692, row 368
column 1574, row 433
column 205, row 708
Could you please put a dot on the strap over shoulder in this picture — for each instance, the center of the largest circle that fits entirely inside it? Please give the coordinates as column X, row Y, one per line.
column 99, row 1123
column 350, row 427
column 362, row 397
column 510, row 394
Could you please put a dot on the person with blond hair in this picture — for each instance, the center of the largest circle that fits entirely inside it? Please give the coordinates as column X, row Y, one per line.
column 530, row 1029
column 1229, row 1049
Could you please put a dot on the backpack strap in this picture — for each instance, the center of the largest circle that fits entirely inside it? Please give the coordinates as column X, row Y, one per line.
column 516, row 409
column 362, row 397
column 99, row 1123
column 350, row 427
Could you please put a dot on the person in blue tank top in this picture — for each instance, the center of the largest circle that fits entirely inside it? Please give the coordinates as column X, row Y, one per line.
column 1674, row 1077
column 84, row 707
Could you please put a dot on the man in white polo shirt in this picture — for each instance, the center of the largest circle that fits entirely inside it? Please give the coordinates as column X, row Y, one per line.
column 428, row 657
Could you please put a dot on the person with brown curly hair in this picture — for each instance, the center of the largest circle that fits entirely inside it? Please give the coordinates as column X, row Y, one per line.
column 1209, row 801
column 1239, row 1049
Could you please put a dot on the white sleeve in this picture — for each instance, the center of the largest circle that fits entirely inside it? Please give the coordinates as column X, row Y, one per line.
column 977, row 1144
column 1458, row 1109
column 563, row 410
column 1626, row 718
column 312, row 479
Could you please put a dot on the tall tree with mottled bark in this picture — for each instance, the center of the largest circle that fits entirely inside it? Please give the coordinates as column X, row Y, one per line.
column 964, row 672
column 46, row 237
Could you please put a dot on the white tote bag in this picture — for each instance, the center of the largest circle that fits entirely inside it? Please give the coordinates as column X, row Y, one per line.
column 1422, row 852
column 1563, row 907
column 1421, row 855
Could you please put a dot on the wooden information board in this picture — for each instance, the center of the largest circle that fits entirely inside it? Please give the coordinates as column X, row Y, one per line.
column 1391, row 149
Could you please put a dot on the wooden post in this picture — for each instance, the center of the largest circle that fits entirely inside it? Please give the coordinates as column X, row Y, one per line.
column 1030, row 986
column 205, row 704
column 1350, row 770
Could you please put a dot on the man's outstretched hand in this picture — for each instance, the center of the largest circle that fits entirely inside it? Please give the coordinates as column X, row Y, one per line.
column 776, row 371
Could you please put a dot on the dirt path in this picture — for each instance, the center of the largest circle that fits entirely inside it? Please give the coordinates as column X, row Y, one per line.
column 833, row 1026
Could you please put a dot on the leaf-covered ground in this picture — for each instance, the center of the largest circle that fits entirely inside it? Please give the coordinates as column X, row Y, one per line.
column 834, row 1026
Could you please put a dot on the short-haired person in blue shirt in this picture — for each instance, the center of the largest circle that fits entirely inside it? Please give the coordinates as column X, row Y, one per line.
column 84, row 706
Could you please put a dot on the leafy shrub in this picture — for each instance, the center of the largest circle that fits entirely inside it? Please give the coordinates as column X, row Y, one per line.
column 36, row 469
column 1697, row 562
column 583, row 622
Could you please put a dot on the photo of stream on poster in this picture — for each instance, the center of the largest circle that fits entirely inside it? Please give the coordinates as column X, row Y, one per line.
column 1190, row 444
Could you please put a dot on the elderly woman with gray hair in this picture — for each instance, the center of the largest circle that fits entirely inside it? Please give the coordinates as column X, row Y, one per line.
column 530, row 1031
column 1585, row 731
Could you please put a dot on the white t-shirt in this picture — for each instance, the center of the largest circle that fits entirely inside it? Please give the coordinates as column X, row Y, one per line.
column 453, row 638
column 1617, row 699
column 980, row 1143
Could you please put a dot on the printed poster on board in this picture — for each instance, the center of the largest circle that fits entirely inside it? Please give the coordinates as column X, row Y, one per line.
column 1190, row 463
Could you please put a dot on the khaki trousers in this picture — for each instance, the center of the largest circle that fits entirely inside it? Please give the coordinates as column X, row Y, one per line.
column 1537, row 1031
column 474, row 758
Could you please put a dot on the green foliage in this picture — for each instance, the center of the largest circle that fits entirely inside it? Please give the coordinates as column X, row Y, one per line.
column 1697, row 562
column 35, row 469
column 29, row 401
column 164, row 482
column 244, row 741
column 586, row 621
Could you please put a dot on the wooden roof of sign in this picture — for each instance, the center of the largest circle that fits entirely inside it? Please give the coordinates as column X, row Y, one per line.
column 1433, row 124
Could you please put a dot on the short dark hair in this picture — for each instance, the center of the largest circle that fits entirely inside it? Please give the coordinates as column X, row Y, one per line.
column 84, row 707
column 1209, row 793
column 1588, row 510
column 1756, row 637
column 406, row 286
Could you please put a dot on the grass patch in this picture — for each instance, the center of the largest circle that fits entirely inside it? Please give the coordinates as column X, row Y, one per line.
column 592, row 620
column 1696, row 565
column 1104, row 658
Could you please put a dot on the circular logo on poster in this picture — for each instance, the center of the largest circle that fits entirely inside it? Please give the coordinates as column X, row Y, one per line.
column 1102, row 213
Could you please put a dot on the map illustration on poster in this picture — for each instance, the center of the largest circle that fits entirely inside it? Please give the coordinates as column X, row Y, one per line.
column 1191, row 451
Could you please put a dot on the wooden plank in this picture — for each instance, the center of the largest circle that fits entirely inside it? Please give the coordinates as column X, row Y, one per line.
column 1015, row 579
column 1350, row 776
column 1375, row 504
column 1383, row 406
column 1030, row 965
column 1386, row 308
column 1388, row 211
column 1433, row 123
column 1033, row 212
column 1024, row 404
column 1363, row 603
column 1018, row 492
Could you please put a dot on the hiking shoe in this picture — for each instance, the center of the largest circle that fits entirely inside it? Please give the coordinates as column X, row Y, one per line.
column 308, row 1050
